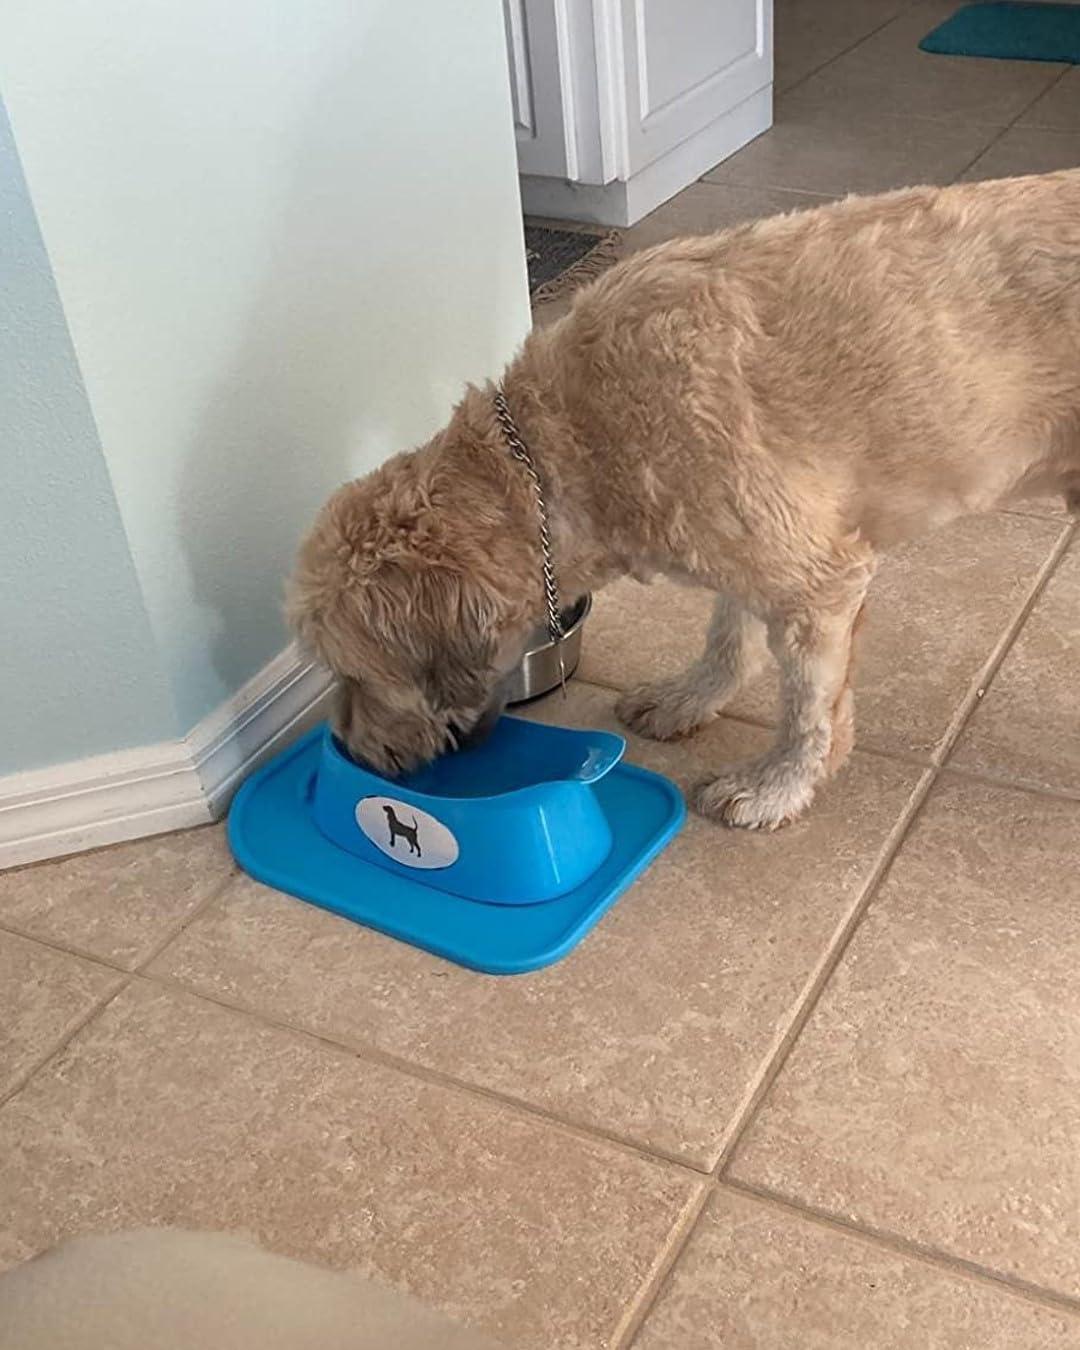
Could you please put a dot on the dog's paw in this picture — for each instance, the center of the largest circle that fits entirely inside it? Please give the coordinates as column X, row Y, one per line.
column 753, row 800
column 664, row 711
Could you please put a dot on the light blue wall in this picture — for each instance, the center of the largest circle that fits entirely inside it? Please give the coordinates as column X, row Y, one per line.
column 78, row 669
column 284, row 237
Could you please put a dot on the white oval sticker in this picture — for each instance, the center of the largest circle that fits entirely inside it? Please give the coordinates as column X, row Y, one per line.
column 405, row 833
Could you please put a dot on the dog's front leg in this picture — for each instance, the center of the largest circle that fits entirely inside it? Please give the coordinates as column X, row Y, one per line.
column 814, row 651
column 667, row 710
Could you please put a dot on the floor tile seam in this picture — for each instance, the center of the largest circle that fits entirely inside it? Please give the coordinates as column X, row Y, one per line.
column 984, row 678
column 1011, row 124
column 825, row 197
column 843, row 52
column 817, row 981
column 1055, row 128
column 111, row 963
column 880, row 1240
column 366, row 1053
column 953, row 119
column 824, row 114
column 605, row 687
column 1017, row 783
column 765, row 185
column 1066, row 69
column 178, row 929
column 1051, row 516
column 910, row 759
column 666, row 1261
column 80, row 1025
column 886, row 1239
column 63, row 948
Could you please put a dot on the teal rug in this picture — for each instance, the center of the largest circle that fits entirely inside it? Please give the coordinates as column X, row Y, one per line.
column 1010, row 32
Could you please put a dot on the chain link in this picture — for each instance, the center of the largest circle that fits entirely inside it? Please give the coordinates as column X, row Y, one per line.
column 520, row 452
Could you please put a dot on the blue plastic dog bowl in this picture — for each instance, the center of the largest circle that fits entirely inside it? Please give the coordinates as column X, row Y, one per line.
column 500, row 858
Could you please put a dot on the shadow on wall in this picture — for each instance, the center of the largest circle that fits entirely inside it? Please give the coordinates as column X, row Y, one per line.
column 393, row 275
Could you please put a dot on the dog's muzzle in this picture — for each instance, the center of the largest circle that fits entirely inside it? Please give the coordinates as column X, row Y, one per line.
column 468, row 738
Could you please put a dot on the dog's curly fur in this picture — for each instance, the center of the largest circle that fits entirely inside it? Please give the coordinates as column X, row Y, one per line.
column 760, row 412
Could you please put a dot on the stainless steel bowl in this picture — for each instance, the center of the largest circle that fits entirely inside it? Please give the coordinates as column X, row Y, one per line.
column 538, row 672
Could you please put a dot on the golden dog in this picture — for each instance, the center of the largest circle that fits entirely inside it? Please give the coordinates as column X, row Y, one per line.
column 761, row 412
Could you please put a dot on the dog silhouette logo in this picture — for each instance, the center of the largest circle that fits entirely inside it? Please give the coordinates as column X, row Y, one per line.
column 410, row 833
column 406, row 833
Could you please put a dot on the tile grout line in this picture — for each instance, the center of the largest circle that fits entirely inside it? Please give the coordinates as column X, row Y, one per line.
column 126, row 977
column 774, row 1059
column 908, row 758
column 81, row 1024
column 819, row 977
column 63, row 948
column 594, row 682
column 1009, row 126
column 885, row 1240
column 837, row 55
column 370, row 1054
column 1027, row 786
column 1001, row 649
column 878, row 1239
column 644, row 1304
column 180, row 928
column 824, row 198
column 1054, row 517
column 110, row 962
column 908, row 1248
column 641, row 1304
column 950, row 118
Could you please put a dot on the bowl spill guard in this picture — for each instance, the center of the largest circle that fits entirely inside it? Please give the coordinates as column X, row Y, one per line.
column 500, row 858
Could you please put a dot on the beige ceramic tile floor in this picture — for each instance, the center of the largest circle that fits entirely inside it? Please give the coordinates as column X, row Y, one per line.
column 819, row 1091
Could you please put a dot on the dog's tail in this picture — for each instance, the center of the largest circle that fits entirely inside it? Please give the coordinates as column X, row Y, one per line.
column 414, row 824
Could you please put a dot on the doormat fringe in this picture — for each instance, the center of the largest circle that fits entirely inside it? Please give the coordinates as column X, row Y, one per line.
column 603, row 252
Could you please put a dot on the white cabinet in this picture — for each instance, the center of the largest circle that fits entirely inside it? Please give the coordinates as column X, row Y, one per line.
column 619, row 104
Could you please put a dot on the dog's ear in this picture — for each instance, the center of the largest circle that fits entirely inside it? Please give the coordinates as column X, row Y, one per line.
column 456, row 622
column 420, row 610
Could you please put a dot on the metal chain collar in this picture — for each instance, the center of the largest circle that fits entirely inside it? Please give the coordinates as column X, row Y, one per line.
column 520, row 452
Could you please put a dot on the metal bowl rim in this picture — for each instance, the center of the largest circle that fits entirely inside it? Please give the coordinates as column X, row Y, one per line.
column 583, row 609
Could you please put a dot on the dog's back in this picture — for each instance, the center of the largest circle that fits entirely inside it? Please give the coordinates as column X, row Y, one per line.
column 896, row 360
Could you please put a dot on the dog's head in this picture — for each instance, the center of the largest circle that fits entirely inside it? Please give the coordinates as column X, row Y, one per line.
column 415, row 589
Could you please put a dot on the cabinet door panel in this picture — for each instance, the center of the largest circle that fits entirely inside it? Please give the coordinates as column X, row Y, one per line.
column 687, row 63
column 540, row 87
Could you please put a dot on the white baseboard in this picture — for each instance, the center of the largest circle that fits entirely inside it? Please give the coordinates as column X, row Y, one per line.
column 71, row 807
column 68, row 808
column 284, row 698
column 625, row 202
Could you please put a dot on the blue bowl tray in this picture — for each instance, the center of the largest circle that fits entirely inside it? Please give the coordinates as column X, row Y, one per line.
column 274, row 837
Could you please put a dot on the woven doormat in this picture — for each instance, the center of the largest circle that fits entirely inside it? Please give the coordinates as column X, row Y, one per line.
column 561, row 260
